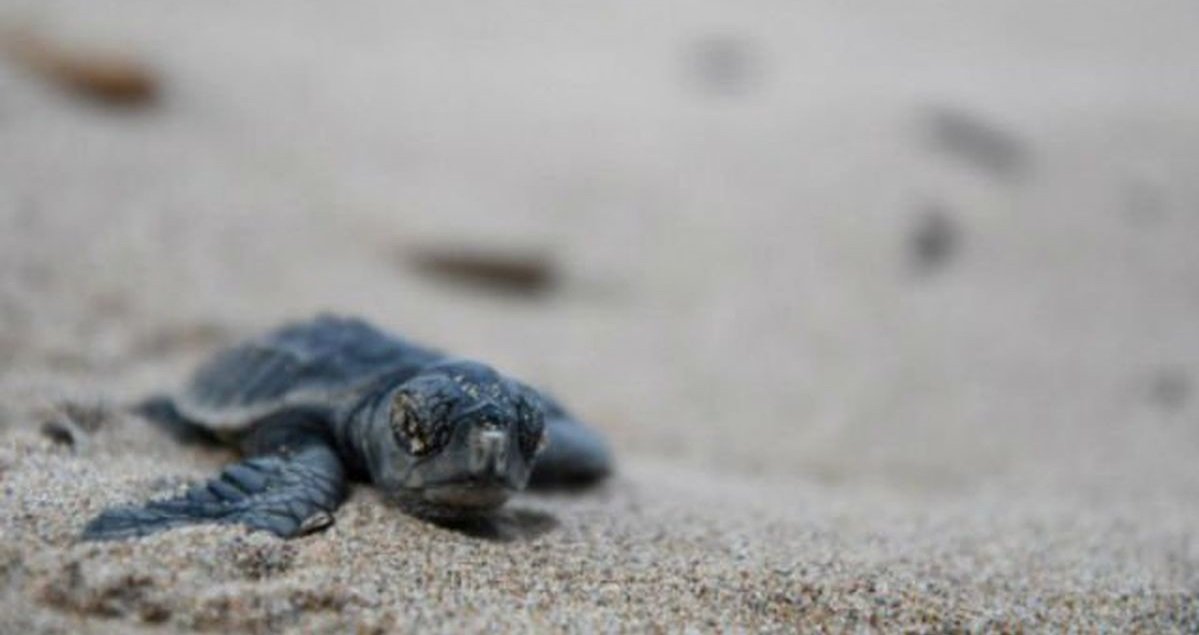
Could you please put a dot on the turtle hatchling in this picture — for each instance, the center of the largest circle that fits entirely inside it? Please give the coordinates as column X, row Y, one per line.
column 316, row 404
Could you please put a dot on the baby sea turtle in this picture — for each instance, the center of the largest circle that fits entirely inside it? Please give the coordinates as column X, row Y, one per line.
column 312, row 405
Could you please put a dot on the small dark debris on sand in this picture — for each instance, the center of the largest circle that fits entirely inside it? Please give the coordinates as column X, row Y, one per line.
column 933, row 240
column 103, row 76
column 1170, row 388
column 512, row 272
column 724, row 65
column 982, row 144
column 72, row 423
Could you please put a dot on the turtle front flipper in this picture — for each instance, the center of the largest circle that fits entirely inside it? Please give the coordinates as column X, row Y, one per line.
column 576, row 455
column 288, row 493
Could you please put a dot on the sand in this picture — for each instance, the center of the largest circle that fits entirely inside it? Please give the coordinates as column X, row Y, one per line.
column 888, row 311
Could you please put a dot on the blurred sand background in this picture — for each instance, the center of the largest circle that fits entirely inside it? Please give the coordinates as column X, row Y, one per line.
column 889, row 309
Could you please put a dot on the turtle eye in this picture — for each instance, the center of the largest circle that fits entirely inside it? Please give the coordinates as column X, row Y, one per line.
column 415, row 432
column 418, row 442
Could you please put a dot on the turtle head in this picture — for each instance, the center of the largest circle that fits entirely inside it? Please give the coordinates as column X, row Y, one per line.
column 461, row 439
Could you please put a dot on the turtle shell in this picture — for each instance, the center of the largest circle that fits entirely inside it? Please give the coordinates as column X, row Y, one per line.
column 317, row 363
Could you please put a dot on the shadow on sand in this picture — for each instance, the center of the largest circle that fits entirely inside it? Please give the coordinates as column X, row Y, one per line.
column 509, row 525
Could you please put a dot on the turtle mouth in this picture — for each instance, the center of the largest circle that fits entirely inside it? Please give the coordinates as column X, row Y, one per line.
column 467, row 495
column 455, row 500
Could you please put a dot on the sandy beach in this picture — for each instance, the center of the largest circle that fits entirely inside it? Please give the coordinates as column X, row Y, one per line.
column 889, row 312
